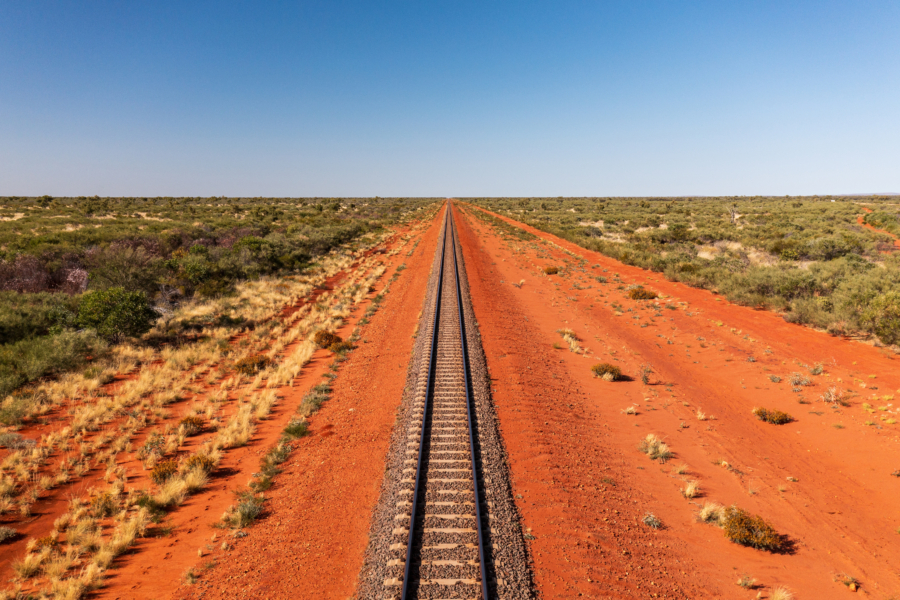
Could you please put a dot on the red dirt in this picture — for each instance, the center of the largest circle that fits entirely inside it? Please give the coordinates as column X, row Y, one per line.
column 565, row 431
column 859, row 220
column 311, row 542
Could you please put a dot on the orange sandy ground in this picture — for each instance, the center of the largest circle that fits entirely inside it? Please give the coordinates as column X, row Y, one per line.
column 311, row 541
column 584, row 485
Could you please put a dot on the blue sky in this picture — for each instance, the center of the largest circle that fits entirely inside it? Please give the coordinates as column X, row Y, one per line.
column 449, row 98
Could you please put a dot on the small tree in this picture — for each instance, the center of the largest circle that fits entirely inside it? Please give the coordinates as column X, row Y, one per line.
column 115, row 313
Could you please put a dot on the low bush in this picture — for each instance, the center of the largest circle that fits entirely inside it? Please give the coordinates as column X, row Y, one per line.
column 7, row 533
column 775, row 417
column 103, row 505
column 641, row 293
column 551, row 270
column 325, row 339
column 651, row 521
column 163, row 471
column 192, row 424
column 203, row 462
column 248, row 508
column 296, row 429
column 749, row 530
column 340, row 347
column 115, row 313
column 252, row 364
column 607, row 371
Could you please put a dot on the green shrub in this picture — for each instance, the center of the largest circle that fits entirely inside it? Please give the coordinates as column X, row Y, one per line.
column 115, row 313
column 775, row 417
column 882, row 316
column 749, row 530
column 296, row 429
column 607, row 371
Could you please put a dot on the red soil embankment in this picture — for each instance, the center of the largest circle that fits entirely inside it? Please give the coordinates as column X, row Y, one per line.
column 824, row 480
column 310, row 542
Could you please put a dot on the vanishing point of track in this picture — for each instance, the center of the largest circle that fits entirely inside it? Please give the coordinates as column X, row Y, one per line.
column 439, row 551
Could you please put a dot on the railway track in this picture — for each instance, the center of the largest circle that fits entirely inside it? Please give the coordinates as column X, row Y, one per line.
column 438, row 545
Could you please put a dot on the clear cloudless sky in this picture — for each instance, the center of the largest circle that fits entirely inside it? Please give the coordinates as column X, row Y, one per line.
column 455, row 98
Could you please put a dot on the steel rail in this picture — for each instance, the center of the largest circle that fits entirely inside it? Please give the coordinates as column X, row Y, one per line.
column 469, row 416
column 428, row 390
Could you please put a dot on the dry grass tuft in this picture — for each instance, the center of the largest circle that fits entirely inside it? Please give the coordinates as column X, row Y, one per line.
column 655, row 448
column 781, row 593
column 607, row 371
column 691, row 489
column 712, row 513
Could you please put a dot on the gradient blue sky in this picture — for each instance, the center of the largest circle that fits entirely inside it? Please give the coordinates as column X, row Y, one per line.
column 449, row 98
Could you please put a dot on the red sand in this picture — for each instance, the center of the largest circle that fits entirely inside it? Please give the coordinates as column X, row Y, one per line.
column 565, row 430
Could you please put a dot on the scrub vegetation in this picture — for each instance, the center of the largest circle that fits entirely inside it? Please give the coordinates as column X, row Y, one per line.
column 77, row 274
column 810, row 258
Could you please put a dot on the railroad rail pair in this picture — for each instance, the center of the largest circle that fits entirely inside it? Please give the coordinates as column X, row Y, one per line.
column 442, row 539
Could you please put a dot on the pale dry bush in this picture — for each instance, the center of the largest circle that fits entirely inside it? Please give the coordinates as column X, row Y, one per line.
column 712, row 512
column 691, row 489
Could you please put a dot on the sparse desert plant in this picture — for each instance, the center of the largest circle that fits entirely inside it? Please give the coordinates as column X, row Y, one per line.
column 712, row 513
column 296, row 429
column 691, row 489
column 646, row 370
column 816, row 369
column 775, row 378
column 551, row 270
column 834, row 395
column 607, row 371
column 681, row 469
column 631, row 410
column 641, row 293
column 163, row 470
column 702, row 416
column 7, row 533
column 201, row 461
column 799, row 379
column 247, row 509
column 340, row 347
column 747, row 582
column 655, row 448
column 103, row 505
column 781, row 593
column 192, row 424
column 750, row 530
column 775, row 417
column 571, row 339
column 324, row 339
column 651, row 521
column 253, row 364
